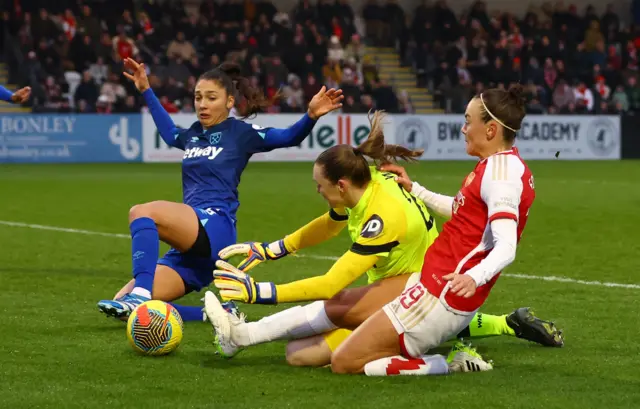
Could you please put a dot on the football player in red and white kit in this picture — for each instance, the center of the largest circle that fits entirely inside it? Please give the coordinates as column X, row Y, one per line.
column 487, row 218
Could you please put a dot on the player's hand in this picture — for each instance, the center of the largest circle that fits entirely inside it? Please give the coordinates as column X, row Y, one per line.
column 235, row 285
column 21, row 96
column 139, row 76
column 324, row 102
column 254, row 253
column 461, row 284
column 401, row 175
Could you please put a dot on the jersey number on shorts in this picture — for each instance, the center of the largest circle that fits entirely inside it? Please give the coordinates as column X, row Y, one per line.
column 411, row 296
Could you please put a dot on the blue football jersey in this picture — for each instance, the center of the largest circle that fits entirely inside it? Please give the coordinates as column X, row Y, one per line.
column 214, row 160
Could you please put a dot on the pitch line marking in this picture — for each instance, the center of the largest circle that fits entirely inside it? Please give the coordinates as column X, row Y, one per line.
column 559, row 279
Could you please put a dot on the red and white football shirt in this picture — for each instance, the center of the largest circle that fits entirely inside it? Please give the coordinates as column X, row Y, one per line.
column 500, row 187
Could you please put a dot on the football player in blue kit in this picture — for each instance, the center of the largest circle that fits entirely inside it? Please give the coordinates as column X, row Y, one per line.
column 216, row 148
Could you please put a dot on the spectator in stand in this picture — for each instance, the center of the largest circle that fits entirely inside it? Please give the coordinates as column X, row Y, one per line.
column 112, row 90
column 335, row 52
column 563, row 95
column 350, row 106
column 633, row 93
column 123, row 46
column 355, row 49
column 311, row 87
column 293, row 94
column 104, row 106
column 584, row 98
column 602, row 89
column 620, row 99
column 87, row 90
column 593, row 36
column 180, row 48
column 69, row 24
column 89, row 24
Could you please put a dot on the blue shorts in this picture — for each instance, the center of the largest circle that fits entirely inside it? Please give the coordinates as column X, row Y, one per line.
column 197, row 272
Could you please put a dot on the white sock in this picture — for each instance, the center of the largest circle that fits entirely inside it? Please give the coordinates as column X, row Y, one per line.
column 293, row 323
column 398, row 365
column 141, row 292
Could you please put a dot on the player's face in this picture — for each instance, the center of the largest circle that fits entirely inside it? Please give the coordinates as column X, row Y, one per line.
column 212, row 103
column 478, row 134
column 330, row 192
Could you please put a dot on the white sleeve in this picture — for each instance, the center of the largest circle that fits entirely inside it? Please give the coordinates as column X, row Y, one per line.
column 440, row 204
column 505, row 239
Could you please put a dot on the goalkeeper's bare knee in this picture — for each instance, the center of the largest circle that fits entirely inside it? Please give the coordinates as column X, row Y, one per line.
column 312, row 351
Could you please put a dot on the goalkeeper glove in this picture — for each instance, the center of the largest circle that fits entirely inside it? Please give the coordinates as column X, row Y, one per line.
column 254, row 252
column 236, row 285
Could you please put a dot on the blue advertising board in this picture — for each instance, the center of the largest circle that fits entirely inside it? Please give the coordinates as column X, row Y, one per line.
column 60, row 138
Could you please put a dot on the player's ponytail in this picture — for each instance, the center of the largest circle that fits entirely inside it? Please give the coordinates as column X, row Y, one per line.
column 249, row 100
column 347, row 162
column 381, row 152
column 254, row 100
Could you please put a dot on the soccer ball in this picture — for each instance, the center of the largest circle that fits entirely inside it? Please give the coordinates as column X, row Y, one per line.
column 154, row 328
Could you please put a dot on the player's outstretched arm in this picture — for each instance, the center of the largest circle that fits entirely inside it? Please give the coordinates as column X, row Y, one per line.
column 238, row 286
column 313, row 233
column 167, row 129
column 317, row 231
column 440, row 204
column 322, row 103
column 345, row 271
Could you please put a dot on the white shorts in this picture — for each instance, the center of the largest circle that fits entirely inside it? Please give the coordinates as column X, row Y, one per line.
column 421, row 320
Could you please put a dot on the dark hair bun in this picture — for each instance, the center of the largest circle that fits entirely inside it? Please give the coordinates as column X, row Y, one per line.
column 516, row 94
column 233, row 70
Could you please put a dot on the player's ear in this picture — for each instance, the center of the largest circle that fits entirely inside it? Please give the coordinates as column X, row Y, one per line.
column 491, row 130
column 231, row 101
column 342, row 185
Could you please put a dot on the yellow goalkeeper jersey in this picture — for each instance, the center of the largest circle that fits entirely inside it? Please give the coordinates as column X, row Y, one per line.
column 392, row 224
column 390, row 229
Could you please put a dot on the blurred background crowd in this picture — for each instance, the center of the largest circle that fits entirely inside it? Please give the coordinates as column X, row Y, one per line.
column 572, row 60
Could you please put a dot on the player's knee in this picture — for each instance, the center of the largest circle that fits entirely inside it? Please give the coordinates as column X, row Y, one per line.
column 338, row 366
column 144, row 210
column 137, row 212
column 295, row 356
column 308, row 352
column 341, row 364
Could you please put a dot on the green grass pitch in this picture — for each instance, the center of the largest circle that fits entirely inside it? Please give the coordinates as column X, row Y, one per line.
column 58, row 351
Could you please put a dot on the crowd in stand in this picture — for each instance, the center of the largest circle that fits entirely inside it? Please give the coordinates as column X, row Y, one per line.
column 570, row 61
column 73, row 53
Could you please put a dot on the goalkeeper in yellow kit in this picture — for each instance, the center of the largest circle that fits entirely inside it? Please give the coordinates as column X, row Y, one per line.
column 391, row 230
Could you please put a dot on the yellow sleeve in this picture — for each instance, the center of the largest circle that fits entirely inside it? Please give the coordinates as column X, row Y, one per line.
column 344, row 272
column 316, row 231
column 380, row 233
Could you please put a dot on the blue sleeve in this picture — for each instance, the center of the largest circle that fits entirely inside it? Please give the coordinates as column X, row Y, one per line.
column 5, row 94
column 169, row 132
column 273, row 138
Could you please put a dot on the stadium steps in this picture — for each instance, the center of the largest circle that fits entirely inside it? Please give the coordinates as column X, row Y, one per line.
column 402, row 79
column 5, row 107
